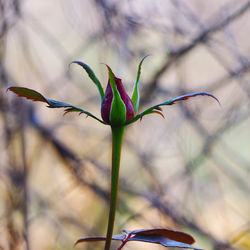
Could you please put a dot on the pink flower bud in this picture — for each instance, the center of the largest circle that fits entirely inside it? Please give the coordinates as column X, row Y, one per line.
column 116, row 108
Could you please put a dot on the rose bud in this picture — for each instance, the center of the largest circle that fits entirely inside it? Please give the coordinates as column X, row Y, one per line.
column 117, row 107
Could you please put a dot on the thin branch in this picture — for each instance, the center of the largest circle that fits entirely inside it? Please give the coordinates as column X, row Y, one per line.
column 202, row 37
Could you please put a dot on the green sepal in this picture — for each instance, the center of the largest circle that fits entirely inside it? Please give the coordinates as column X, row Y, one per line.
column 92, row 76
column 136, row 93
column 118, row 108
column 36, row 96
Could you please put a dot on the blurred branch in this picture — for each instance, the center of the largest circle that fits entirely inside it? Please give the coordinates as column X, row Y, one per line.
column 178, row 218
column 202, row 37
column 67, row 155
column 6, row 8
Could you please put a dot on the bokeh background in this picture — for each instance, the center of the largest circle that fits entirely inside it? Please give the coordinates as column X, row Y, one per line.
column 188, row 172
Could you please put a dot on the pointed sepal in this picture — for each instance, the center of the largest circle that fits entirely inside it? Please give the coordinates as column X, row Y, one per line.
column 136, row 93
column 92, row 76
column 118, row 109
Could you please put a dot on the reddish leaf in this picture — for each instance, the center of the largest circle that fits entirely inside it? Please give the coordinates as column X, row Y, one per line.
column 158, row 112
column 165, row 237
column 158, row 108
column 28, row 93
column 171, row 234
column 152, row 112
column 159, row 239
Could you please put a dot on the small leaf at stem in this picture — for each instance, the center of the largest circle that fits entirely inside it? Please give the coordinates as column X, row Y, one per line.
column 92, row 76
column 157, row 112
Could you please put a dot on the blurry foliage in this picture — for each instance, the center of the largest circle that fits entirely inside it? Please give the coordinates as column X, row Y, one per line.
column 190, row 174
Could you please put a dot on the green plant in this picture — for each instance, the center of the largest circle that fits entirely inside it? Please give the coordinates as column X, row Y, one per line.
column 118, row 110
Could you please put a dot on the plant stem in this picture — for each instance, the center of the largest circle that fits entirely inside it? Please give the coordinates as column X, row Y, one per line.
column 117, row 135
column 25, row 209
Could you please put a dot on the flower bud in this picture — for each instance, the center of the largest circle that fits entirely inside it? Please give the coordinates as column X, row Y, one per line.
column 117, row 107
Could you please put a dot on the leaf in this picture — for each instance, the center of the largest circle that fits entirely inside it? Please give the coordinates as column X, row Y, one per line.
column 92, row 76
column 100, row 238
column 36, row 96
column 159, row 239
column 170, row 102
column 28, row 93
column 136, row 94
column 152, row 112
column 185, row 97
column 165, row 237
column 171, row 234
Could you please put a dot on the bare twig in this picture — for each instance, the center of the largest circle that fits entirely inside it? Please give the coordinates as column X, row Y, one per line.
column 202, row 37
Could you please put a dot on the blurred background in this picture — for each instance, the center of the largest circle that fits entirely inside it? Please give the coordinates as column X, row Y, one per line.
column 189, row 172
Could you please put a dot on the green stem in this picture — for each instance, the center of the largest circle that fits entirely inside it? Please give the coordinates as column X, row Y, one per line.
column 117, row 135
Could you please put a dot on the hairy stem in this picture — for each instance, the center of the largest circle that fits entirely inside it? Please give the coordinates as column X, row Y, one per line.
column 117, row 135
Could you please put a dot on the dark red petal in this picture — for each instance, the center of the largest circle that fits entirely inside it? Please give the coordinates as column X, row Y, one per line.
column 106, row 103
